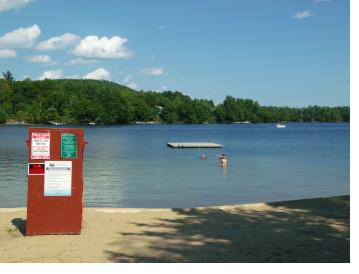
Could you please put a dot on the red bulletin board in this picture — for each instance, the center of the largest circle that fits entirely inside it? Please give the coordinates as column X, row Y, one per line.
column 55, row 207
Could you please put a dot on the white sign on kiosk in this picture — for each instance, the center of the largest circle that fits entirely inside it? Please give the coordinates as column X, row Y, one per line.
column 58, row 176
column 40, row 145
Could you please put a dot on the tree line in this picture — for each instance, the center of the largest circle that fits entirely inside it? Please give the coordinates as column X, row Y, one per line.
column 76, row 101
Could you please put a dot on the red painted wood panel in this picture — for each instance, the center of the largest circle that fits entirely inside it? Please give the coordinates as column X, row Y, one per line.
column 55, row 214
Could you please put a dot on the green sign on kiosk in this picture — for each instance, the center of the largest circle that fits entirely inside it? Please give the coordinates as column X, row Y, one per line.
column 68, row 145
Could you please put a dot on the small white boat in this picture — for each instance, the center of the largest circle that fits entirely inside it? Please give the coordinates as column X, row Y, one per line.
column 56, row 123
column 280, row 125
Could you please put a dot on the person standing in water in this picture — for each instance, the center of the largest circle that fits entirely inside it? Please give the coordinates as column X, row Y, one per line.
column 223, row 161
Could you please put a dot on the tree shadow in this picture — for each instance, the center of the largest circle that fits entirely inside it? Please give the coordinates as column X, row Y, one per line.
column 297, row 231
column 20, row 224
column 334, row 207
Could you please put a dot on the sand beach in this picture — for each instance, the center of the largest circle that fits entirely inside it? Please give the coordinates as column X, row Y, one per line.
column 309, row 230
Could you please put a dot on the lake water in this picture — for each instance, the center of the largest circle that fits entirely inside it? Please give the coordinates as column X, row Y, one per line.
column 131, row 166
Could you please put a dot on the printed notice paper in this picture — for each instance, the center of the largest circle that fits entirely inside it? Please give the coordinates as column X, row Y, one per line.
column 40, row 145
column 58, row 175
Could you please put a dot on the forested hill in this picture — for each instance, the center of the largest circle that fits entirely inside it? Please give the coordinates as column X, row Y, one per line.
column 84, row 101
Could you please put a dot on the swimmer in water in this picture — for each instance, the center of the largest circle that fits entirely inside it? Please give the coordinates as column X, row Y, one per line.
column 203, row 157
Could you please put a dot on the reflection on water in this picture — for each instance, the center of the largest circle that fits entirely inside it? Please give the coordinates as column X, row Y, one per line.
column 131, row 166
column 224, row 171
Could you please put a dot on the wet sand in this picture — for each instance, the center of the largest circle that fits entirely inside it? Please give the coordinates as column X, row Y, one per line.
column 310, row 230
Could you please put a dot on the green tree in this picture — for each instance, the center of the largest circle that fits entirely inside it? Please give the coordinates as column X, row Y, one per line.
column 7, row 75
column 220, row 113
column 3, row 116
column 83, row 101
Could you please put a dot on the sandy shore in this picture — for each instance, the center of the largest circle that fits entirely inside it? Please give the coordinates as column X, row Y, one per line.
column 311, row 230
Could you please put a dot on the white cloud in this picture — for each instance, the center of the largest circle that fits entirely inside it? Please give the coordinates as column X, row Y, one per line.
column 44, row 59
column 162, row 88
column 98, row 74
column 127, row 79
column 51, row 74
column 153, row 71
column 132, row 85
column 7, row 53
column 20, row 38
column 303, row 14
column 82, row 61
column 13, row 4
column 102, row 47
column 58, row 42
column 127, row 82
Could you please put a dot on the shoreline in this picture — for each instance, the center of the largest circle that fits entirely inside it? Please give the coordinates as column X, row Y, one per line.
column 160, row 209
column 157, row 124
column 306, row 230
column 129, row 209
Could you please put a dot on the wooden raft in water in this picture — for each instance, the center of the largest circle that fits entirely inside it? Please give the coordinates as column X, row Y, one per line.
column 194, row 145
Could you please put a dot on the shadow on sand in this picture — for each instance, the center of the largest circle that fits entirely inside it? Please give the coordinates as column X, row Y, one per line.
column 315, row 230
column 20, row 224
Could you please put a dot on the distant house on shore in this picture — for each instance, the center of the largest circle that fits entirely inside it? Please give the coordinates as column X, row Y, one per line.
column 159, row 109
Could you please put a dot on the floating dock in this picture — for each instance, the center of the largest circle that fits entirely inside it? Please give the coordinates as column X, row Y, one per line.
column 194, row 145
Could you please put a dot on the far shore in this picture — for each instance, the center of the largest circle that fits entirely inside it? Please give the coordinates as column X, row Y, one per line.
column 308, row 230
column 136, row 123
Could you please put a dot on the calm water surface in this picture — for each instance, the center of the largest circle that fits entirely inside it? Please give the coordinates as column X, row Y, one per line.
column 131, row 166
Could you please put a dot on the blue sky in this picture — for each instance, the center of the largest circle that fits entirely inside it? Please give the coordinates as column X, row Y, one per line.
column 280, row 52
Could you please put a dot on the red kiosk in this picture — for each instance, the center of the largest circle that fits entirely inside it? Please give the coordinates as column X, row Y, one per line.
column 55, row 181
